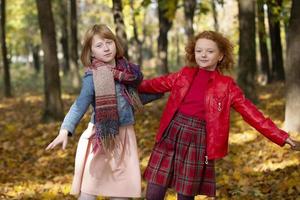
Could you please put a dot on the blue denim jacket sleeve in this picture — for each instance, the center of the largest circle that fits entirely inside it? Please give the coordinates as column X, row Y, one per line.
column 80, row 106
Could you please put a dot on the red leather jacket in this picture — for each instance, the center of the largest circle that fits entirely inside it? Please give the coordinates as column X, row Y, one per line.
column 222, row 94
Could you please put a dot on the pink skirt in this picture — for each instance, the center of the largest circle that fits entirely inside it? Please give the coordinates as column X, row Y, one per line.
column 105, row 174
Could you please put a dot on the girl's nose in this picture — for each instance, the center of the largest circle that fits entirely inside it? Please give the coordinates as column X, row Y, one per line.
column 106, row 48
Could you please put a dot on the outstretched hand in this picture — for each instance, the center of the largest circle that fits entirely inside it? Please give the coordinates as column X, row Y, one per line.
column 295, row 145
column 62, row 137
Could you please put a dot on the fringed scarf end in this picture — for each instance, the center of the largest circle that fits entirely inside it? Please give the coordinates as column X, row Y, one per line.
column 135, row 100
column 108, row 143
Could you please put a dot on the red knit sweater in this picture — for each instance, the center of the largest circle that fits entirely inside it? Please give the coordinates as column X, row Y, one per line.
column 193, row 102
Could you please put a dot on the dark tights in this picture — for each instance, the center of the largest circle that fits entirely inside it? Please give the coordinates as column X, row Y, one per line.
column 158, row 192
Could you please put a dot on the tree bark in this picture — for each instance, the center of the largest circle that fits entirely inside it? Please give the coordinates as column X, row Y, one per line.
column 177, row 49
column 189, row 12
column 36, row 58
column 215, row 15
column 264, row 54
column 277, row 72
column 53, row 103
column 137, row 57
column 64, row 35
column 292, row 109
column 166, row 15
column 120, row 26
column 74, row 46
column 7, row 82
column 247, row 50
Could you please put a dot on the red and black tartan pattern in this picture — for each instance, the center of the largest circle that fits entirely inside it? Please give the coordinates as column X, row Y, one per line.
column 178, row 159
column 106, row 107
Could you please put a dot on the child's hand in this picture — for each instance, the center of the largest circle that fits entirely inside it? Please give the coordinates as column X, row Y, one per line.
column 295, row 145
column 61, row 138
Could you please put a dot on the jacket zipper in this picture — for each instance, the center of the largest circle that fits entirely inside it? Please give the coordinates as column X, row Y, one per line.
column 219, row 106
column 206, row 110
column 206, row 160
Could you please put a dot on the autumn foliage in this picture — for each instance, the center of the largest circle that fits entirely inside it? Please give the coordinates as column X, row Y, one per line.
column 254, row 169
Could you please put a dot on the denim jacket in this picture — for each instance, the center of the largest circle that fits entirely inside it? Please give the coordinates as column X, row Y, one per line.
column 87, row 97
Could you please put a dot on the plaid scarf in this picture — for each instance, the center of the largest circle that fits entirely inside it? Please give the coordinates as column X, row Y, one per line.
column 106, row 111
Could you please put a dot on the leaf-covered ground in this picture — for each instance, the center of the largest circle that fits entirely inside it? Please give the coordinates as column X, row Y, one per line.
column 254, row 169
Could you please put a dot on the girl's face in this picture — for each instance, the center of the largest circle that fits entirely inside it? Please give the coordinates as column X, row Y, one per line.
column 207, row 54
column 103, row 49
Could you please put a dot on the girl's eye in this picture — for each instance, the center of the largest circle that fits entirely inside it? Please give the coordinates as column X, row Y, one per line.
column 210, row 51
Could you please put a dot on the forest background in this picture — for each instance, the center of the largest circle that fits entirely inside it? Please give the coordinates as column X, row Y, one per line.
column 41, row 76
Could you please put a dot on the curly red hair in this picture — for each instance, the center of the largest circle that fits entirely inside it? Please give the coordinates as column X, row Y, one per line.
column 224, row 45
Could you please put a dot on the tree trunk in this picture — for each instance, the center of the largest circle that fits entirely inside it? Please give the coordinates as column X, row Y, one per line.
column 64, row 35
column 286, row 27
column 292, row 108
column 247, row 50
column 137, row 57
column 74, row 46
column 151, row 47
column 189, row 12
column 53, row 102
column 215, row 15
column 36, row 58
column 277, row 72
column 166, row 15
column 7, row 83
column 120, row 26
column 177, row 49
column 264, row 54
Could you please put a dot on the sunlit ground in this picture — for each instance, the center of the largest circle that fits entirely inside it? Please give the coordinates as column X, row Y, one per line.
column 254, row 168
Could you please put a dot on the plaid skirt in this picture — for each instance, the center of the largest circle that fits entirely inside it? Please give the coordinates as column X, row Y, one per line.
column 178, row 160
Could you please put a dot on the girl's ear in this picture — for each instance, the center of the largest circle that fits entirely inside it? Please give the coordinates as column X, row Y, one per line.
column 221, row 57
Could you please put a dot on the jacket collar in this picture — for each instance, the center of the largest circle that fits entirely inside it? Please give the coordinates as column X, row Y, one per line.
column 215, row 74
column 192, row 71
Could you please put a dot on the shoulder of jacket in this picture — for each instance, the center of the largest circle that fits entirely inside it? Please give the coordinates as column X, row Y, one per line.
column 187, row 68
column 225, row 78
column 88, row 73
column 87, row 78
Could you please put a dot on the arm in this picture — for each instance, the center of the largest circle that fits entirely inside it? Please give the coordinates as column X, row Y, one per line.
column 254, row 117
column 75, row 113
column 160, row 84
column 80, row 106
